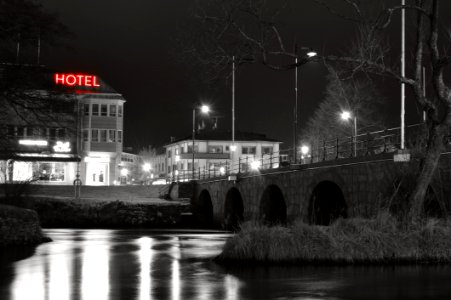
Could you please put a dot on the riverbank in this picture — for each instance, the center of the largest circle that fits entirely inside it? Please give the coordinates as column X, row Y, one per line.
column 347, row 241
column 60, row 212
column 100, row 206
column 19, row 227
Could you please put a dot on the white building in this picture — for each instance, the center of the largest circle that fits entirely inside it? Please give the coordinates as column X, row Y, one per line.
column 213, row 155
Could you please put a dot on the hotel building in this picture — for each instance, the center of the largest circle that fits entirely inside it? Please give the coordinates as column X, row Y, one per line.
column 59, row 127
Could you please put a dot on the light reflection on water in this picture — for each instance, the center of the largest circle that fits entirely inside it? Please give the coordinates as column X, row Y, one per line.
column 145, row 265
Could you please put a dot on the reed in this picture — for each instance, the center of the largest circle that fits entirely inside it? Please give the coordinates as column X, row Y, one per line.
column 347, row 241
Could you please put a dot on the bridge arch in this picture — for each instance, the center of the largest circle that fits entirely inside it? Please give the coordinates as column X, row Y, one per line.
column 273, row 209
column 233, row 209
column 327, row 203
column 202, row 209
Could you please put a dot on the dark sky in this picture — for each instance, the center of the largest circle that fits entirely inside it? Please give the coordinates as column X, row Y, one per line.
column 130, row 44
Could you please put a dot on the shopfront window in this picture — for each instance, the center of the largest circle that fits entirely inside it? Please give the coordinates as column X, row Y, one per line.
column 49, row 171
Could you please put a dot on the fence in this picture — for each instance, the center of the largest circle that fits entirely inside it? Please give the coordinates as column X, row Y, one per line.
column 370, row 143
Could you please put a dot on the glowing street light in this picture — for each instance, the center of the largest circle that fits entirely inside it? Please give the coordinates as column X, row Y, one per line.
column 346, row 115
column 305, row 150
column 205, row 109
column 124, row 172
column 255, row 165
column 312, row 54
column 146, row 167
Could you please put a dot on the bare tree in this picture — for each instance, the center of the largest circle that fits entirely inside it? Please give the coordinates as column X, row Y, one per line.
column 359, row 96
column 248, row 29
column 26, row 95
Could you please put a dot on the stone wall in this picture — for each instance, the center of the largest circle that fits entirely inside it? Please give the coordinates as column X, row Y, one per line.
column 113, row 214
column 365, row 185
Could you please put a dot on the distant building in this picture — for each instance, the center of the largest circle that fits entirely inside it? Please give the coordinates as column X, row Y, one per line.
column 76, row 128
column 158, row 164
column 212, row 153
column 130, row 169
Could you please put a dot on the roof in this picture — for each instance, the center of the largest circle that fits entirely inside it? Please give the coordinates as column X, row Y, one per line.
column 226, row 135
column 38, row 77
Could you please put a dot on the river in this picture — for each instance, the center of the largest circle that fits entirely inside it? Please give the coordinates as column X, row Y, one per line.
column 145, row 265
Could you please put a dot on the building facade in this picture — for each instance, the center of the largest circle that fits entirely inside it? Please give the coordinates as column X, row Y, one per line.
column 60, row 127
column 213, row 155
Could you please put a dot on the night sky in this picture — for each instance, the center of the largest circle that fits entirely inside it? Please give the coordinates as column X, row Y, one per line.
column 131, row 45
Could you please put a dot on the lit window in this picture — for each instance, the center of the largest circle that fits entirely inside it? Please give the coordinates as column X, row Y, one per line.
column 95, row 135
column 119, row 112
column 103, row 134
column 266, row 150
column 119, row 136
column 249, row 150
column 86, row 109
column 95, row 109
column 112, row 110
column 112, row 136
column 214, row 149
column 86, row 135
column 104, row 110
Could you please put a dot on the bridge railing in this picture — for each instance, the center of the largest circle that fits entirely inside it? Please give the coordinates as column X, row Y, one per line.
column 366, row 144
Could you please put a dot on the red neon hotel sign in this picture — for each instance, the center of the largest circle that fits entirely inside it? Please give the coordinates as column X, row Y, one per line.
column 76, row 80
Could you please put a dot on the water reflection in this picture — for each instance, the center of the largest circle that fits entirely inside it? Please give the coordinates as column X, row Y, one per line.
column 145, row 261
column 143, row 265
column 95, row 283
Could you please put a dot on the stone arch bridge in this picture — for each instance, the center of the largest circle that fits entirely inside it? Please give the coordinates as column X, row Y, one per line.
column 315, row 193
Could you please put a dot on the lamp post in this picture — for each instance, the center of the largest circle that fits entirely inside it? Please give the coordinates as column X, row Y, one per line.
column 204, row 109
column 309, row 54
column 146, row 169
column 346, row 115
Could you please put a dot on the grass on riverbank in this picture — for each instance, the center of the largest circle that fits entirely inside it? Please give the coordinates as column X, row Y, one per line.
column 347, row 241
column 19, row 227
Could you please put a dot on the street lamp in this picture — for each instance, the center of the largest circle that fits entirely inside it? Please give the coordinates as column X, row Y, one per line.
column 305, row 60
column 346, row 115
column 146, row 167
column 204, row 109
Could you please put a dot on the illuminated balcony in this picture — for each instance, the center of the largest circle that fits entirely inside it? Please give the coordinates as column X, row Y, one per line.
column 205, row 155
